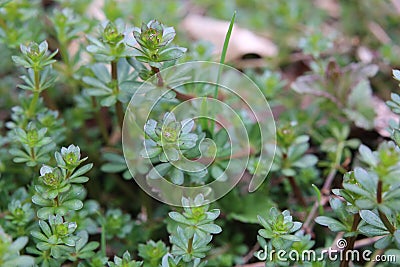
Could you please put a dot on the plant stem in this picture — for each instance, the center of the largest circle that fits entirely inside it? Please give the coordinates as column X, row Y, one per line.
column 3, row 24
column 350, row 240
column 297, row 191
column 325, row 188
column 36, row 93
column 118, row 105
column 69, row 68
column 379, row 192
column 308, row 223
column 190, row 245
column 65, row 55
column 160, row 81
column 328, row 182
column 33, row 154
column 100, row 121
column 103, row 238
column 48, row 100
column 179, row 95
column 386, row 222
column 389, row 226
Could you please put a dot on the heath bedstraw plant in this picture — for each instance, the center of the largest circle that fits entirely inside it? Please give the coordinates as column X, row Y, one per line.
column 77, row 76
column 170, row 141
column 10, row 251
column 193, row 230
column 370, row 196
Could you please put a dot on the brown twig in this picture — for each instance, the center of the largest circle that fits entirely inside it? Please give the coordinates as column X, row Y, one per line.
column 325, row 189
column 325, row 192
column 366, row 241
column 328, row 181
column 250, row 254
column 297, row 191
column 307, row 226
column 389, row 226
column 50, row 103
column 100, row 120
column 350, row 240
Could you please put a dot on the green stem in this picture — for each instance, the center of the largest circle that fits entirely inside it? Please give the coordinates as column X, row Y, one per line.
column 65, row 55
column 118, row 105
column 36, row 93
column 72, row 84
column 103, row 238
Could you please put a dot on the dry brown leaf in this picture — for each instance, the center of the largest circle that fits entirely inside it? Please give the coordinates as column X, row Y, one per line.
column 242, row 42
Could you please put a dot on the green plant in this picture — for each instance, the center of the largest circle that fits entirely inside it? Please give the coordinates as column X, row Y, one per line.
column 69, row 83
column 10, row 251
column 124, row 261
column 195, row 227
column 371, row 196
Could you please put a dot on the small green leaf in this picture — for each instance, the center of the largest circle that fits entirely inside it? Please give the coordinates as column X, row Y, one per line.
column 371, row 218
column 44, row 213
column 211, row 228
column 82, row 170
column 159, row 171
column 367, row 155
column 332, row 224
column 73, row 204
column 45, row 228
column 176, row 216
column 177, row 176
